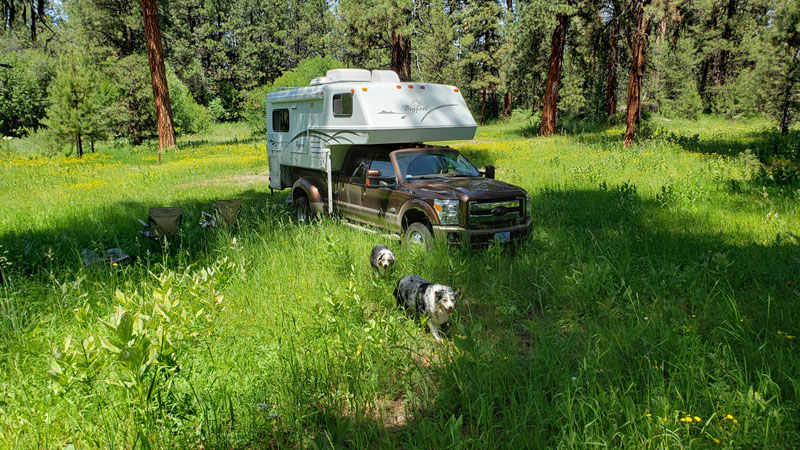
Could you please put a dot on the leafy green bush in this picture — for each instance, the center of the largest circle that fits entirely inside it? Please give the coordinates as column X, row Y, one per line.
column 187, row 115
column 217, row 111
column 132, row 112
column 255, row 107
column 24, row 77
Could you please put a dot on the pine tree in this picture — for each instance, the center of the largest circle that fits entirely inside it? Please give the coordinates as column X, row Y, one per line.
column 73, row 112
column 155, row 54
column 784, row 74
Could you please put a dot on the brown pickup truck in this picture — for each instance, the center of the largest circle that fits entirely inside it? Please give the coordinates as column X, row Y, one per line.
column 423, row 194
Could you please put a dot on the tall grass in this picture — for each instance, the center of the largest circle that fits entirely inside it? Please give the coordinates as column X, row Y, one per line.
column 653, row 306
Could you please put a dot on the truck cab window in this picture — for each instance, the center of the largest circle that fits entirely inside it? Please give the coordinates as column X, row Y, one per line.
column 342, row 105
column 280, row 120
column 385, row 168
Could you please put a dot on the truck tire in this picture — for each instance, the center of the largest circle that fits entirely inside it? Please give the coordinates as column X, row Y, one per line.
column 302, row 209
column 419, row 234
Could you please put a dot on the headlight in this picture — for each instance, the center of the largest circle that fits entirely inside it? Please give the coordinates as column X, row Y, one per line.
column 447, row 210
column 528, row 205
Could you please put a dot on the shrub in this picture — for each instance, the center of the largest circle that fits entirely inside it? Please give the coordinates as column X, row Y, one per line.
column 187, row 115
column 217, row 111
column 132, row 113
column 24, row 78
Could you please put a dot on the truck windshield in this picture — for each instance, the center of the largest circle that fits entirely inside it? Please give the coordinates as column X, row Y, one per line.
column 434, row 163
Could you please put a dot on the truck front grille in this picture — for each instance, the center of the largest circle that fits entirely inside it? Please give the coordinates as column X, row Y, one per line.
column 495, row 214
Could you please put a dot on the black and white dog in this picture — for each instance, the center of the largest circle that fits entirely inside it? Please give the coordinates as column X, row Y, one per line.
column 435, row 301
column 381, row 258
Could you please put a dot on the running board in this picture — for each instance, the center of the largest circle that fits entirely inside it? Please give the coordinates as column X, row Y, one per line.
column 394, row 236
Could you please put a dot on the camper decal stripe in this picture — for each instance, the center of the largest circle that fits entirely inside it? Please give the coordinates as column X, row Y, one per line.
column 434, row 109
column 413, row 109
column 335, row 138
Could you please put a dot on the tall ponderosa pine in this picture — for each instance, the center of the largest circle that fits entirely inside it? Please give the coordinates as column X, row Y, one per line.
column 158, row 74
column 638, row 42
column 550, row 107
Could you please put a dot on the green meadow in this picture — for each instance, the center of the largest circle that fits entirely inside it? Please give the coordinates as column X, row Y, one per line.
column 655, row 304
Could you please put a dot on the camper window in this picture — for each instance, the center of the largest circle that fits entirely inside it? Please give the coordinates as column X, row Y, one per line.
column 342, row 105
column 280, row 120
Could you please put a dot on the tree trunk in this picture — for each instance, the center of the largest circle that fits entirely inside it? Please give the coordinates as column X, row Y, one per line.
column 550, row 109
column 727, row 31
column 79, row 145
column 401, row 55
column 12, row 14
column 611, row 77
column 483, row 107
column 787, row 97
column 507, row 105
column 155, row 56
column 33, row 23
column 637, row 70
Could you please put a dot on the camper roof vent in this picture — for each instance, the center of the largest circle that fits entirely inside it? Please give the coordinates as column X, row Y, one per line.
column 340, row 75
column 385, row 76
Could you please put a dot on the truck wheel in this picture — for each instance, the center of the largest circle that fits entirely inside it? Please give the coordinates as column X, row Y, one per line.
column 302, row 209
column 418, row 234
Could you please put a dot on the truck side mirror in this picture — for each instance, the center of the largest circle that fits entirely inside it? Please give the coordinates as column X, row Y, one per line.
column 488, row 171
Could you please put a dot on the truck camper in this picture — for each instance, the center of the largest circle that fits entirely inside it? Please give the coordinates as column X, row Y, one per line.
column 362, row 133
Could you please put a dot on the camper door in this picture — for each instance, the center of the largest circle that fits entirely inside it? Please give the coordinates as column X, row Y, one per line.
column 277, row 138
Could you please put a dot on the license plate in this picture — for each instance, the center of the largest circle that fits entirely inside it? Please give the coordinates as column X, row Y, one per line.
column 504, row 236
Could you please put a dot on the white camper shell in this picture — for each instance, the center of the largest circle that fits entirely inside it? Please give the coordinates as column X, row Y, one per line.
column 357, row 107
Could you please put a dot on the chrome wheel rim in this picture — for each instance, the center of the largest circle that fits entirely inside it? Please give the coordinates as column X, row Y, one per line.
column 416, row 238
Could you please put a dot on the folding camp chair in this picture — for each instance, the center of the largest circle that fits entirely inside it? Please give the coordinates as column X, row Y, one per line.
column 162, row 222
column 113, row 256
column 225, row 212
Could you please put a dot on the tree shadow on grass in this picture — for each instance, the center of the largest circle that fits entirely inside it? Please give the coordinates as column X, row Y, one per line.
column 58, row 246
column 558, row 339
column 565, row 331
column 614, row 308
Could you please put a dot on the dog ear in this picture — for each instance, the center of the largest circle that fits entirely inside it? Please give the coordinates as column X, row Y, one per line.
column 438, row 296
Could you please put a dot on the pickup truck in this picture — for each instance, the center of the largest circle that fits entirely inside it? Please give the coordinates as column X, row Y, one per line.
column 423, row 194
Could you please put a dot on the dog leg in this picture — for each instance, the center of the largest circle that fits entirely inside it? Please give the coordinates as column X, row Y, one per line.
column 435, row 331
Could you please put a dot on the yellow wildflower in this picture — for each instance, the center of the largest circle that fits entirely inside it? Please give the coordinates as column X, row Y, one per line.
column 716, row 441
column 729, row 417
column 696, row 419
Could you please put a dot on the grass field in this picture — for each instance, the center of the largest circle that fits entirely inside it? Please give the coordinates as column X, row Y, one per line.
column 655, row 305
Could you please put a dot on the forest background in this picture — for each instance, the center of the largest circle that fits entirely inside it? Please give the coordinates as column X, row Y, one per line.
column 76, row 70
